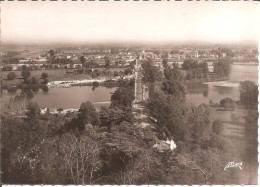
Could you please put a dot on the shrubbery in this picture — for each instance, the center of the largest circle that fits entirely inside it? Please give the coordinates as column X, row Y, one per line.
column 228, row 104
column 217, row 127
column 11, row 76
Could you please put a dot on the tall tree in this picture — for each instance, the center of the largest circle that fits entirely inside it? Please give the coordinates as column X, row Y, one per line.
column 122, row 97
column 87, row 115
column 33, row 110
column 44, row 75
column 151, row 73
column 249, row 94
column 165, row 62
column 25, row 73
column 222, row 68
column 51, row 53
column 175, row 88
column 83, row 61
column 107, row 62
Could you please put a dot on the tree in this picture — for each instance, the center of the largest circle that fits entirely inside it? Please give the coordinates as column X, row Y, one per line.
column 44, row 75
column 165, row 62
column 122, row 97
column 81, row 159
column 114, row 116
column 33, row 110
column 25, row 73
column 174, row 88
column 107, row 62
column 169, row 113
column 11, row 76
column 128, row 71
column 83, row 61
column 151, row 73
column 60, row 109
column 173, row 74
column 189, row 64
column 87, row 115
column 116, row 73
column 249, row 94
column 96, row 73
column 217, row 127
column 7, row 68
column 45, row 88
column 34, row 81
column 51, row 53
column 228, row 104
column 117, row 63
column 222, row 68
column 195, row 70
column 22, row 150
column 29, row 94
column 95, row 84
column 250, row 154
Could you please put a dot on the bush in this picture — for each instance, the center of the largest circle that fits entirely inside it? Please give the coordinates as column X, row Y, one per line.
column 217, row 127
column 249, row 94
column 44, row 75
column 11, row 76
column 95, row 84
column 60, row 109
column 228, row 104
column 116, row 73
column 122, row 97
column 45, row 81
column 29, row 95
column 128, row 71
column 45, row 88
column 7, row 68
column 34, row 81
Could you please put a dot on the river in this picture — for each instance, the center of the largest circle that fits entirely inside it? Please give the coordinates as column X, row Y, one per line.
column 67, row 97
column 197, row 93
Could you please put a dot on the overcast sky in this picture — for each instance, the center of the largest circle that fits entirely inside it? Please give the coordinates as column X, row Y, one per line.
column 128, row 21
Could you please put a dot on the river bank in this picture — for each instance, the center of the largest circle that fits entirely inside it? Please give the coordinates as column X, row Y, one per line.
column 207, row 80
column 87, row 82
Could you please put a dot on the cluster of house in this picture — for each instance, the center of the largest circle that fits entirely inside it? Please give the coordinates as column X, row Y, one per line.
column 58, row 111
column 159, row 64
column 120, row 57
column 37, row 66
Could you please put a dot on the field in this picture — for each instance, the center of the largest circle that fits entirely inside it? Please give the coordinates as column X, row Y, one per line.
column 231, row 128
column 53, row 75
column 235, row 131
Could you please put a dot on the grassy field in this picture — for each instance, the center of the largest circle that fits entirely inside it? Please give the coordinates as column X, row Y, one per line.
column 231, row 128
column 235, row 132
column 53, row 75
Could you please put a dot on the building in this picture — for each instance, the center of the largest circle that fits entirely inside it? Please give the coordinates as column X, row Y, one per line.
column 194, row 54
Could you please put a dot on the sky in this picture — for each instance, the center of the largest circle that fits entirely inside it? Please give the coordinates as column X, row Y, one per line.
column 36, row 22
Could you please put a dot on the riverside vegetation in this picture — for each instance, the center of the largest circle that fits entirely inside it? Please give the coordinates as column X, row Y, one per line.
column 105, row 147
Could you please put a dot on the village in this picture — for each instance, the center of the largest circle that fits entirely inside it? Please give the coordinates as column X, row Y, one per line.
column 129, row 93
column 76, row 57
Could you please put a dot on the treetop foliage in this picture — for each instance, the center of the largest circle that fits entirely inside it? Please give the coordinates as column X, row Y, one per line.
column 249, row 94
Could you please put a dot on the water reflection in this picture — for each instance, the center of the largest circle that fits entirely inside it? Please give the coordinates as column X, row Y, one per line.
column 64, row 97
column 197, row 88
column 222, row 90
column 202, row 93
column 197, row 93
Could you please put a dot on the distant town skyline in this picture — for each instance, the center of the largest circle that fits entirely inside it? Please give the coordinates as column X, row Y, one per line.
column 43, row 22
